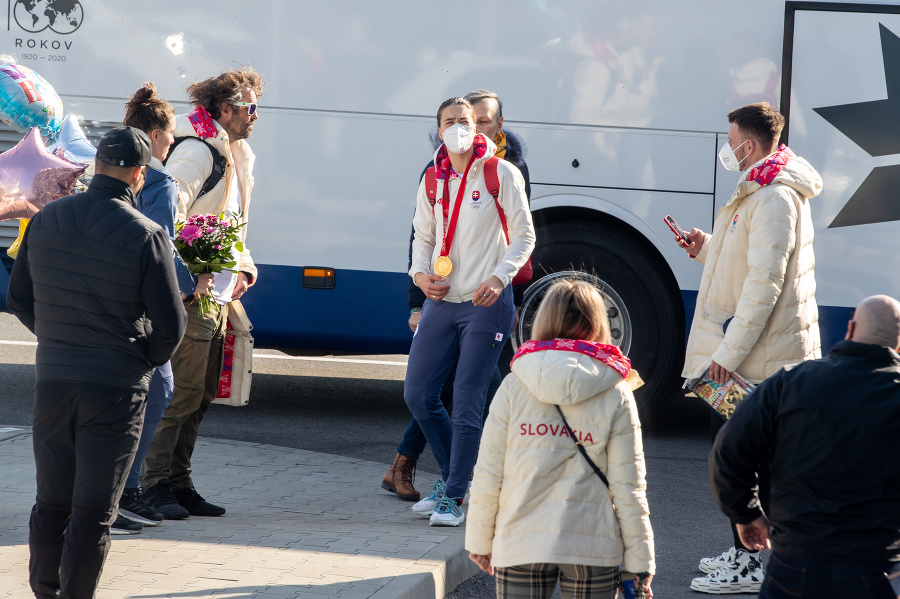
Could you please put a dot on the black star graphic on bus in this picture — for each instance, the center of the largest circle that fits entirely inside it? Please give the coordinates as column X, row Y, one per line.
column 875, row 127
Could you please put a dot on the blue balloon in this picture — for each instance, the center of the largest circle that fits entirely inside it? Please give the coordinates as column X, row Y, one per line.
column 73, row 144
column 27, row 100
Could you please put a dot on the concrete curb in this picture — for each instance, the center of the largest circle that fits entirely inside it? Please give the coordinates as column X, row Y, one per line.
column 434, row 575
column 8, row 432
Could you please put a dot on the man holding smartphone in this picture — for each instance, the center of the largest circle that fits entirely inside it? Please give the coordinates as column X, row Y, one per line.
column 756, row 310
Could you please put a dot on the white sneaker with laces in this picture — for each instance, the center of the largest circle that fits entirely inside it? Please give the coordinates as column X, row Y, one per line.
column 709, row 565
column 447, row 513
column 744, row 575
column 426, row 506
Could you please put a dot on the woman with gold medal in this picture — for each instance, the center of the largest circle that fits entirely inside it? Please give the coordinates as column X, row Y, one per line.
column 466, row 250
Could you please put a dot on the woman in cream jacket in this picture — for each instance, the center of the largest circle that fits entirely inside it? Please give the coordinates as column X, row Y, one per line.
column 538, row 510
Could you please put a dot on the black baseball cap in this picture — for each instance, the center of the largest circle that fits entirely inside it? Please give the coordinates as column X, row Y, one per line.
column 124, row 146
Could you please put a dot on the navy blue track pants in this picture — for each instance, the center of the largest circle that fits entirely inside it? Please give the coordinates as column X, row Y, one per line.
column 475, row 335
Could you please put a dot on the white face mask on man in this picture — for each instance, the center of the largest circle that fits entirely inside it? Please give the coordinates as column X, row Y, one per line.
column 728, row 158
column 458, row 138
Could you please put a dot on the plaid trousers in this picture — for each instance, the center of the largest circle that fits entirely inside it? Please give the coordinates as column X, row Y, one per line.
column 538, row 581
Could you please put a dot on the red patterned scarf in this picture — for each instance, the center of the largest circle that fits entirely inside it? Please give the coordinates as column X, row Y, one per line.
column 608, row 354
column 203, row 123
column 766, row 172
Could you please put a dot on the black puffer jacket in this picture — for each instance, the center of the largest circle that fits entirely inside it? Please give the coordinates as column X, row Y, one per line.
column 828, row 431
column 515, row 155
column 95, row 281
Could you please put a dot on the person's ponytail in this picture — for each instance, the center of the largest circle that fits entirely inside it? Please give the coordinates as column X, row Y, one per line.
column 146, row 111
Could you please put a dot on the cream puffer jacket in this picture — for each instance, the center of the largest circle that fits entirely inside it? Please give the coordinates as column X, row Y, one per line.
column 534, row 498
column 759, row 273
column 190, row 163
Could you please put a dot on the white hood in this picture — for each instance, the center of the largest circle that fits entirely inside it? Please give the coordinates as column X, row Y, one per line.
column 564, row 377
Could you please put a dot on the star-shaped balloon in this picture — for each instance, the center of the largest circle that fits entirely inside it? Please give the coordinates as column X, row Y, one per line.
column 31, row 177
column 72, row 143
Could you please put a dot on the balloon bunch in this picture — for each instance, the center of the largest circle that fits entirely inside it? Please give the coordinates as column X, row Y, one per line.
column 31, row 176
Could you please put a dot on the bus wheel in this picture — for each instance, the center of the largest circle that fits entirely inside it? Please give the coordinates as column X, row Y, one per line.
column 646, row 316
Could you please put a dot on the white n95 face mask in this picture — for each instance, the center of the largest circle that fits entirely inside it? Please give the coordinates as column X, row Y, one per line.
column 728, row 159
column 459, row 138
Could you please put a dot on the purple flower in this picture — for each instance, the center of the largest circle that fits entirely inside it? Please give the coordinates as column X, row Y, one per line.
column 210, row 229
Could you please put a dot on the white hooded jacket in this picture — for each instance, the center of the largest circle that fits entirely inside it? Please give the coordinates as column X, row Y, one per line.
column 534, row 498
column 478, row 249
column 758, row 275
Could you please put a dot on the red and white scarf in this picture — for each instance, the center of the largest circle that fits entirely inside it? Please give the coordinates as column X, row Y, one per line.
column 608, row 354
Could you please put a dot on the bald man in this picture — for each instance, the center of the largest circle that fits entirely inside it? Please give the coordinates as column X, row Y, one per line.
column 828, row 431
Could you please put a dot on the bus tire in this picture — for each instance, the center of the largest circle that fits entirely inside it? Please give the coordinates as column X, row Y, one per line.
column 646, row 314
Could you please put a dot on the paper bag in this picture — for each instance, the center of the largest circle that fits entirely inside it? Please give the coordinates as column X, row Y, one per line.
column 237, row 361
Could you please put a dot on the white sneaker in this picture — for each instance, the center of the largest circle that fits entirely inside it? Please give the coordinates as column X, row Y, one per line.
column 426, row 506
column 447, row 513
column 709, row 565
column 744, row 575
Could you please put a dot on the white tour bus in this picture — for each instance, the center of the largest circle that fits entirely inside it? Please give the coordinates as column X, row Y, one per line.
column 622, row 106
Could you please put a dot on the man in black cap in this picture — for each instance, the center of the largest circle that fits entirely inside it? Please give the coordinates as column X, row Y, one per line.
column 95, row 282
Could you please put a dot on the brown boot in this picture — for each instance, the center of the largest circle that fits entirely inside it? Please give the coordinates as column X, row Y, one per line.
column 399, row 478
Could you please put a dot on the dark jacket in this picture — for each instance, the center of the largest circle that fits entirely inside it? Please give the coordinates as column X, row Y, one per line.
column 515, row 155
column 828, row 431
column 158, row 201
column 95, row 282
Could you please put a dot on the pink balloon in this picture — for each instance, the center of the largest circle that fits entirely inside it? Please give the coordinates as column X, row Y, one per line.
column 31, row 177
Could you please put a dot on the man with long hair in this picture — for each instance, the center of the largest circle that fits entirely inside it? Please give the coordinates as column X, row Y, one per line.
column 225, row 110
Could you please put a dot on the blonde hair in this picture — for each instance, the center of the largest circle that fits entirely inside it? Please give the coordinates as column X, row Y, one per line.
column 571, row 309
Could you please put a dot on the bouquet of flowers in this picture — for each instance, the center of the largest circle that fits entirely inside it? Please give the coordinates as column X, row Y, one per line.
column 205, row 242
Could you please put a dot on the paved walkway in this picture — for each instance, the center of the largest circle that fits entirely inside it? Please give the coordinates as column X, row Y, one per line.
column 299, row 524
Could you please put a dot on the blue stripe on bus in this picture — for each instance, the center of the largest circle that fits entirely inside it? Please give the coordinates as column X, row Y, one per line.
column 366, row 312
column 832, row 325
column 4, row 285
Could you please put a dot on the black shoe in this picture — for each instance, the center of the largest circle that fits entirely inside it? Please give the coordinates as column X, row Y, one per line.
column 160, row 498
column 196, row 505
column 133, row 505
column 124, row 526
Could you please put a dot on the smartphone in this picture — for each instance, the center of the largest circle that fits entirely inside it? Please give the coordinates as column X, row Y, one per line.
column 677, row 230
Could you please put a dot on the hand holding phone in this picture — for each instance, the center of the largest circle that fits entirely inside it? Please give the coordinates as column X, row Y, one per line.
column 685, row 240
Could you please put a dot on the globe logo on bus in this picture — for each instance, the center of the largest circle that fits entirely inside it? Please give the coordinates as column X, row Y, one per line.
column 60, row 16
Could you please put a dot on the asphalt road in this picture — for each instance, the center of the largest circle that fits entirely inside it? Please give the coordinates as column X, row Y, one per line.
column 353, row 406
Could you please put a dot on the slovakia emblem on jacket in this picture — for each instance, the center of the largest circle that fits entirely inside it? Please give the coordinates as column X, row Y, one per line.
column 476, row 195
column 734, row 223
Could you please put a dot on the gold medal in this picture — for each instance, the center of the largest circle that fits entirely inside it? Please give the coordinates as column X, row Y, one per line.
column 442, row 266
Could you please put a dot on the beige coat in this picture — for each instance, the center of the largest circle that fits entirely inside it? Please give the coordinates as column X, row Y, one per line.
column 534, row 498
column 191, row 163
column 759, row 269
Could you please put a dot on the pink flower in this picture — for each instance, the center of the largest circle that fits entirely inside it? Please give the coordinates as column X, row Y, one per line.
column 217, row 247
column 210, row 229
column 190, row 233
